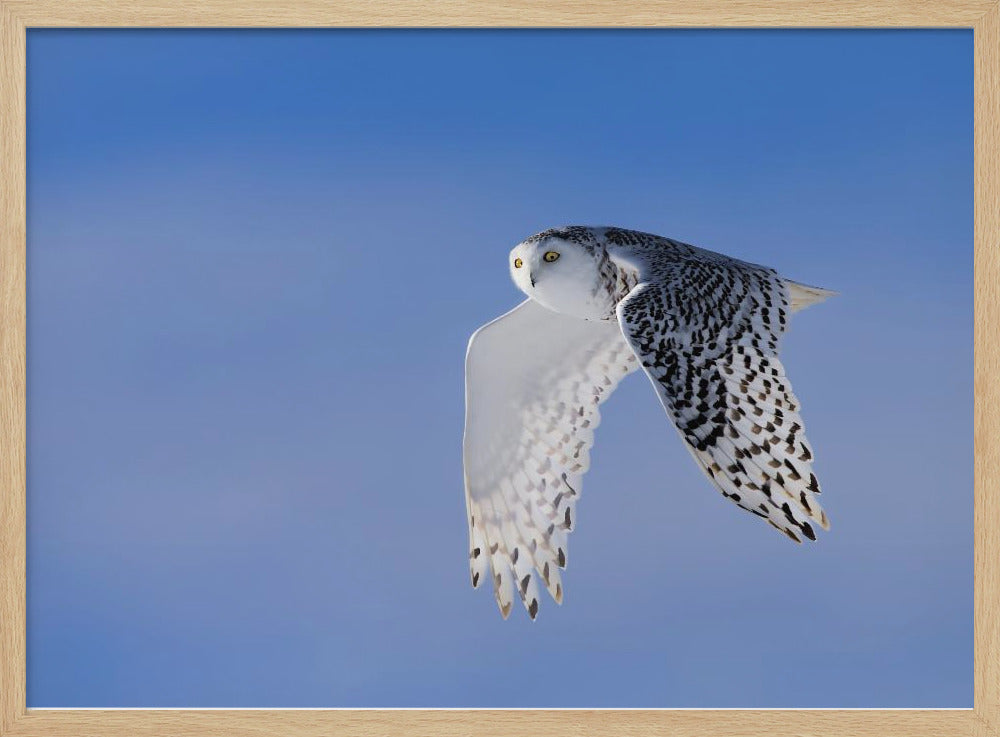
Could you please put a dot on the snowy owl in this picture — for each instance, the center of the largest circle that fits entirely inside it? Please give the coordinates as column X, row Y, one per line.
column 603, row 301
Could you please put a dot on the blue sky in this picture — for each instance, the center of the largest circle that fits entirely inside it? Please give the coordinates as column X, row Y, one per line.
column 254, row 261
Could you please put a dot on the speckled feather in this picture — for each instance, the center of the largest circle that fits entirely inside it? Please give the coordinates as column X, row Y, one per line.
column 706, row 328
column 703, row 326
column 526, row 452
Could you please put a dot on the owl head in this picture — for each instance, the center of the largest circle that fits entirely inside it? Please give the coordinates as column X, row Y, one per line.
column 559, row 269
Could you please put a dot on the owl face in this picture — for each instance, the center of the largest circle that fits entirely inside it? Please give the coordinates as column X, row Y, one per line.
column 560, row 275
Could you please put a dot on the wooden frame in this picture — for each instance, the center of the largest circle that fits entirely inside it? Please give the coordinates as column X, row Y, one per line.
column 981, row 15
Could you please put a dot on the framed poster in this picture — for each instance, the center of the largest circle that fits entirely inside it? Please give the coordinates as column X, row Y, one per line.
column 244, row 250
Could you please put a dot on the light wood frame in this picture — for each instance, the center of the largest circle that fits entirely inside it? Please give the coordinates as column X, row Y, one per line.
column 981, row 15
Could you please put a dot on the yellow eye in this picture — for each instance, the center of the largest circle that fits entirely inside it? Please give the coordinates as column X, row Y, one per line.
column 518, row 263
column 550, row 256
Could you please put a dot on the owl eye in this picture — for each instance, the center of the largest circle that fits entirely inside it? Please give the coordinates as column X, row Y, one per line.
column 518, row 263
column 550, row 256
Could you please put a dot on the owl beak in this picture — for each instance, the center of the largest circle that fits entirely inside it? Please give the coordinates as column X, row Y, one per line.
column 531, row 278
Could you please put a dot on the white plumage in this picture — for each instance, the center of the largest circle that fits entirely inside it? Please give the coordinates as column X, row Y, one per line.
column 601, row 302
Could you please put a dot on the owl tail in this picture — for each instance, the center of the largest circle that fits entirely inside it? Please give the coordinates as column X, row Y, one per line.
column 801, row 296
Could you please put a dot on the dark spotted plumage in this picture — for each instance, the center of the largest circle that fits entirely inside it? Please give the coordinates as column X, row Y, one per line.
column 706, row 329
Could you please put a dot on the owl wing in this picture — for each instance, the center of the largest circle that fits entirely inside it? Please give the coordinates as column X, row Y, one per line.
column 533, row 382
column 706, row 329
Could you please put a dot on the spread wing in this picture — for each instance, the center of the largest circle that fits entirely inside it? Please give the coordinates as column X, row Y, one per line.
column 706, row 329
column 533, row 383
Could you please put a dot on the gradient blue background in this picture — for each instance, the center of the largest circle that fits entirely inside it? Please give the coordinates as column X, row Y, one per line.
column 254, row 262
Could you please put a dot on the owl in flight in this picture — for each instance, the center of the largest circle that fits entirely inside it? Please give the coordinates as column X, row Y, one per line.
column 601, row 303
